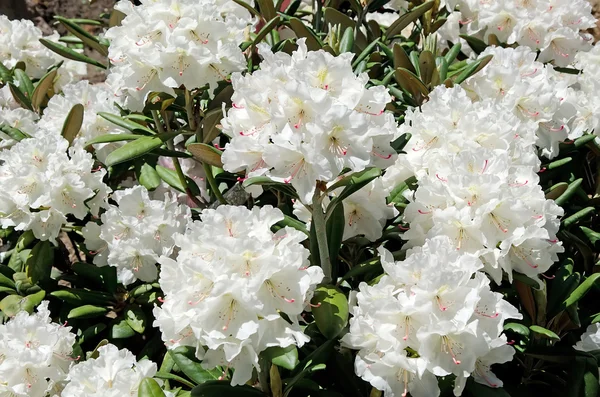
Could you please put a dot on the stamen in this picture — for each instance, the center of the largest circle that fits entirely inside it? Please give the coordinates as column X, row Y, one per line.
column 441, row 179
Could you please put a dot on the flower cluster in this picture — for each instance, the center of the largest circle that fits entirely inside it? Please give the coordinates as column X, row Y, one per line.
column 19, row 42
column 42, row 181
column 14, row 116
column 135, row 233
column 446, row 314
column 162, row 45
column 232, row 281
column 550, row 27
column 304, row 118
column 114, row 373
column 34, row 354
column 585, row 96
column 476, row 167
column 95, row 99
column 590, row 340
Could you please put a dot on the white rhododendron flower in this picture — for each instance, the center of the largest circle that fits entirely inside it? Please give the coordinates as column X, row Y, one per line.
column 34, row 354
column 230, row 284
column 551, row 27
column 135, row 233
column 476, row 168
column 42, row 181
column 585, row 96
column 447, row 314
column 114, row 373
column 304, row 118
column 590, row 340
column 19, row 42
column 164, row 44
column 95, row 99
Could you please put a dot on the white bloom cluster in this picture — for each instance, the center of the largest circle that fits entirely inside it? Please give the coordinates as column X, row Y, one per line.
column 163, row 44
column 534, row 91
column 114, row 373
column 19, row 42
column 304, row 118
column 590, row 340
column 14, row 116
column 365, row 211
column 476, row 169
column 34, row 354
column 549, row 26
column 586, row 92
column 135, row 233
column 446, row 314
column 231, row 283
column 95, row 99
column 42, row 181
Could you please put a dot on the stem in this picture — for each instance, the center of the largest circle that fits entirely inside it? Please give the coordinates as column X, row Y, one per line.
column 189, row 108
column 321, row 232
column 213, row 184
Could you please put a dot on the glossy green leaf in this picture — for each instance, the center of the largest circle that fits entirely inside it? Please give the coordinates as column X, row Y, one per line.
column 406, row 19
column 40, row 261
column 544, row 332
column 272, row 24
column 148, row 177
column 294, row 223
column 82, row 34
column 335, row 232
column 41, row 90
column 19, row 97
column 150, row 388
column 579, row 215
column 412, row 84
column 88, row 311
column 68, row 53
column 13, row 133
column 401, row 60
column 5, row 74
column 80, row 297
column 573, row 186
column 591, row 235
column 169, row 376
column 126, row 123
column 330, row 310
column 91, row 332
column 517, row 328
column 185, row 358
column 13, row 304
column 284, row 357
column 347, row 41
column 121, row 330
column 25, row 84
column 313, row 43
column 172, row 179
column 138, row 148
column 211, row 127
column 473, row 68
column 73, row 123
column 351, row 183
column 476, row 44
column 582, row 289
column 107, row 138
column 136, row 318
column 206, row 154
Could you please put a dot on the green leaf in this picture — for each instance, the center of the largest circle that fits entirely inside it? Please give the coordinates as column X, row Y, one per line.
column 452, row 53
column 172, row 179
column 284, row 357
column 80, row 297
column 353, row 183
column 150, row 388
column 363, row 56
column 404, row 20
column 126, row 123
column 211, row 124
column 91, row 332
column 335, row 233
column 85, row 37
column 73, row 123
column 517, row 328
column 14, row 133
column 573, row 186
column 476, row 44
column 148, row 177
column 39, row 263
column 169, row 376
column 330, row 310
column 5, row 74
column 25, row 84
column 224, row 389
column 87, row 311
column 581, row 290
column 6, row 282
column 590, row 234
column 544, row 332
column 106, row 138
column 136, row 318
column 294, row 223
column 426, row 67
column 581, row 214
column 206, row 154
column 411, row 83
column 347, row 41
column 13, row 304
column 121, row 330
column 138, row 148
column 313, row 43
column 41, row 90
column 266, row 29
column 396, row 195
column 185, row 358
column 472, row 69
column 266, row 181
column 68, row 53
column 19, row 97
column 401, row 60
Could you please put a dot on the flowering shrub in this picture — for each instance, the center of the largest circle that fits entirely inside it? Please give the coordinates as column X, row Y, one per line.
column 292, row 199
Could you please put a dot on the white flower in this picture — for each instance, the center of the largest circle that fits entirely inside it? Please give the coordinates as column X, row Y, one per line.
column 161, row 45
column 231, row 280
column 446, row 314
column 34, row 353
column 114, row 373
column 134, row 234
column 590, row 340
column 304, row 118
column 42, row 181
